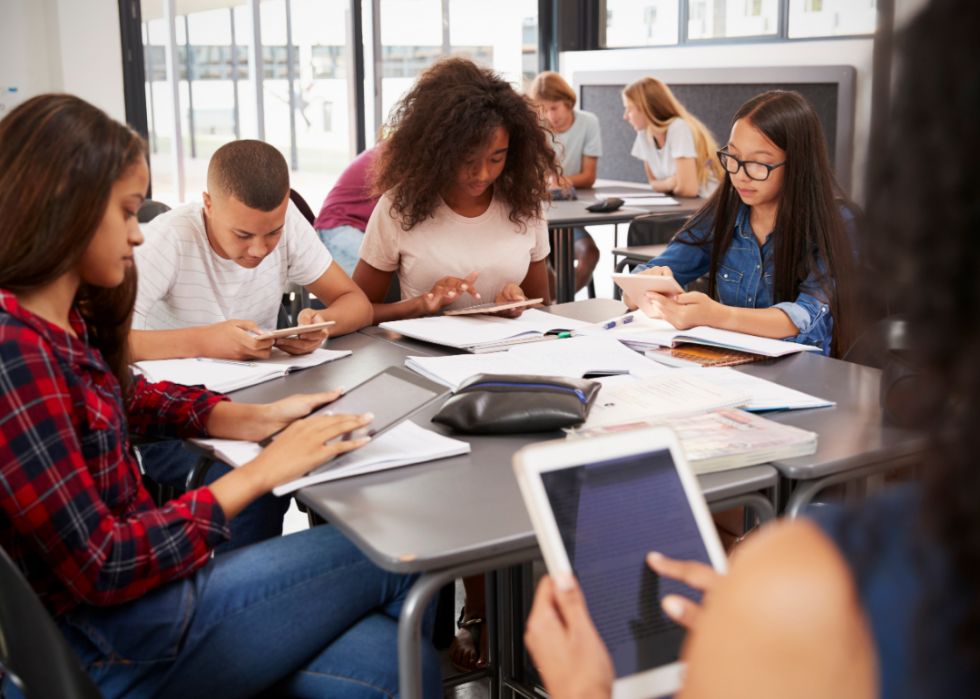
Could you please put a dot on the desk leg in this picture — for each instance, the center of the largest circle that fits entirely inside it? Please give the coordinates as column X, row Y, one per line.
column 564, row 265
column 413, row 608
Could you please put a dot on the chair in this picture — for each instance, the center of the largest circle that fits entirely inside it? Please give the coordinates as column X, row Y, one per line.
column 646, row 238
column 32, row 650
column 150, row 209
column 874, row 347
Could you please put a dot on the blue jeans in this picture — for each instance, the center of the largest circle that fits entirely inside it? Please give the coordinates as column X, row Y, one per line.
column 168, row 463
column 344, row 244
column 304, row 615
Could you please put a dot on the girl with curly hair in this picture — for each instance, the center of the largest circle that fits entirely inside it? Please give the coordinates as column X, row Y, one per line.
column 461, row 179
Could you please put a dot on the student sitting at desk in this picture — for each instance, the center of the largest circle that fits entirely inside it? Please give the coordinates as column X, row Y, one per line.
column 578, row 143
column 132, row 586
column 463, row 173
column 878, row 599
column 773, row 239
column 677, row 150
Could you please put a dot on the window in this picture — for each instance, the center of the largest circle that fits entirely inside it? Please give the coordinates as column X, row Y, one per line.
column 810, row 18
column 327, row 62
column 641, row 22
column 718, row 19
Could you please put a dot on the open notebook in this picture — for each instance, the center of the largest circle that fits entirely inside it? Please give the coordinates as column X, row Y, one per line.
column 482, row 331
column 400, row 446
column 638, row 332
column 225, row 376
column 575, row 358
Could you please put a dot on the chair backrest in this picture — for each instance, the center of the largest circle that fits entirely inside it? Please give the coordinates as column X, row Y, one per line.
column 32, row 649
column 874, row 347
column 654, row 229
column 303, row 207
column 150, row 209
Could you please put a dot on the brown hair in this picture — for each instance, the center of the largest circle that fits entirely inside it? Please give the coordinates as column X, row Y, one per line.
column 59, row 159
column 551, row 87
column 452, row 111
column 253, row 172
column 809, row 224
column 658, row 104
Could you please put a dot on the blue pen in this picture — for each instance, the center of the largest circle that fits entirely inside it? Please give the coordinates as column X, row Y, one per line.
column 619, row 321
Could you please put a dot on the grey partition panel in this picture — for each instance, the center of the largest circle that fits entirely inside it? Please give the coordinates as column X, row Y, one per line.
column 713, row 96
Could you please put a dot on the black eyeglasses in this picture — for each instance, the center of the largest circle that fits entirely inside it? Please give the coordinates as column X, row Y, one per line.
column 753, row 170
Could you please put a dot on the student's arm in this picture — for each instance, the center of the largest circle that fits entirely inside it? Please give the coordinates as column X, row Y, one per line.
column 686, row 179
column 375, row 283
column 345, row 303
column 693, row 309
column 665, row 185
column 586, row 178
column 227, row 340
column 534, row 286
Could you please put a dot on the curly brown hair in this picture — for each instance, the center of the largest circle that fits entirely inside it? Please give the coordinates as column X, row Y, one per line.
column 452, row 111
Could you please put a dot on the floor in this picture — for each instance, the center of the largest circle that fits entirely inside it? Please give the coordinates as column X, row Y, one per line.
column 297, row 521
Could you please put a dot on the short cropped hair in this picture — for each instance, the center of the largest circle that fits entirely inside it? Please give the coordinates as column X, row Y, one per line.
column 252, row 172
column 551, row 87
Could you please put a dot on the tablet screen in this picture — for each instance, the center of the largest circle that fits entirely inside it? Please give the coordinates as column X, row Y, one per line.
column 388, row 397
column 611, row 515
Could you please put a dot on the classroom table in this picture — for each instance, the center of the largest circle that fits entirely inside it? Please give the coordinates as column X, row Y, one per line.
column 564, row 216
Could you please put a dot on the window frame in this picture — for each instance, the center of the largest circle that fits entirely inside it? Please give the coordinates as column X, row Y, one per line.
column 684, row 7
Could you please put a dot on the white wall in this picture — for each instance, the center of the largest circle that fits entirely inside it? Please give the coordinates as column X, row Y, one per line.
column 68, row 46
column 853, row 52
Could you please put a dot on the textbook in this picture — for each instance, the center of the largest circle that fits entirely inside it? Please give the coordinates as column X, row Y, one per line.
column 225, row 375
column 575, row 358
column 674, row 394
column 726, row 439
column 401, row 446
column 641, row 333
column 763, row 395
column 479, row 331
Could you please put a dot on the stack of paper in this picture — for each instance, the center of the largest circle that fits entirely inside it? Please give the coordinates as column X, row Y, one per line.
column 400, row 446
column 643, row 333
column 574, row 358
column 476, row 332
column 224, row 376
column 727, row 439
column 763, row 395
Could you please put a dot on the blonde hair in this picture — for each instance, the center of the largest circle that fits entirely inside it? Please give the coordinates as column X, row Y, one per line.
column 551, row 87
column 657, row 103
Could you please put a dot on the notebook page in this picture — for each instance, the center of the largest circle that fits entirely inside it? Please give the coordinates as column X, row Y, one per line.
column 302, row 361
column 214, row 375
column 453, row 371
column 578, row 356
column 469, row 331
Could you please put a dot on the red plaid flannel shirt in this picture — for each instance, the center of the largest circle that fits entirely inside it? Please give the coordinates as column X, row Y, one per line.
column 74, row 514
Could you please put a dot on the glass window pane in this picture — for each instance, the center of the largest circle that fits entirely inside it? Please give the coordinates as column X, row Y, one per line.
column 831, row 17
column 718, row 19
column 641, row 22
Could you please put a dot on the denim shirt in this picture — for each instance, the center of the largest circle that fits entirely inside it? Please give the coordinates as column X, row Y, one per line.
column 745, row 277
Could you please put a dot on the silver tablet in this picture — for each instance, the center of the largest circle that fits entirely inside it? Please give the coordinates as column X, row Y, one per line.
column 599, row 506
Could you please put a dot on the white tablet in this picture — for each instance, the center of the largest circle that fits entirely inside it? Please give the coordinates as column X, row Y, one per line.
column 295, row 331
column 493, row 307
column 599, row 506
column 636, row 287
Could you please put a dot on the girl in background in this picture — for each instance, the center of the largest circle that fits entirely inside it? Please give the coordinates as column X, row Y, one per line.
column 677, row 150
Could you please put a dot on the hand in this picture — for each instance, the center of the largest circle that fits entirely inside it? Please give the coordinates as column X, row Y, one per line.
column 304, row 344
column 512, row 292
column 446, row 291
column 692, row 573
column 650, row 272
column 688, row 310
column 567, row 650
column 229, row 340
column 303, row 446
column 281, row 413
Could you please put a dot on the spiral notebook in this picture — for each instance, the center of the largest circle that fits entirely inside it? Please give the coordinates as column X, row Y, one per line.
column 673, row 395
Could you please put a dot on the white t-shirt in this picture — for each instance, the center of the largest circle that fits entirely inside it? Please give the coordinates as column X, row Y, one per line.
column 678, row 144
column 184, row 283
column 582, row 138
column 450, row 245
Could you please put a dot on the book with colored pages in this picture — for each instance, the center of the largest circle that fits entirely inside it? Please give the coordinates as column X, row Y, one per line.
column 725, row 439
column 690, row 355
column 225, row 375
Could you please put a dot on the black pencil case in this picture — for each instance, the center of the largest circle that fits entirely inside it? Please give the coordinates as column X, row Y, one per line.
column 506, row 404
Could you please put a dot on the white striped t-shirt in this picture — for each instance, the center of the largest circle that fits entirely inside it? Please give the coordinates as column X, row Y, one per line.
column 184, row 283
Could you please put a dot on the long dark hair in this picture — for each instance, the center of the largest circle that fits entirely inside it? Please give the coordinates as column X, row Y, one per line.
column 452, row 111
column 59, row 159
column 808, row 219
column 924, row 221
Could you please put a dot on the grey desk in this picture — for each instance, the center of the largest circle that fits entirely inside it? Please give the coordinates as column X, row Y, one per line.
column 564, row 216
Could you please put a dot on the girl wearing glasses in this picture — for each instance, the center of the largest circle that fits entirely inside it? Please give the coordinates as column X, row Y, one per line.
column 773, row 239
column 677, row 150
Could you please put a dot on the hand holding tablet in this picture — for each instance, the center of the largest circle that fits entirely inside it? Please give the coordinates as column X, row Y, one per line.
column 636, row 286
column 294, row 331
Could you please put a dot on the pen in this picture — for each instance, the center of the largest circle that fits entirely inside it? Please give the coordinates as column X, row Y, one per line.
column 563, row 335
column 226, row 361
column 625, row 320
